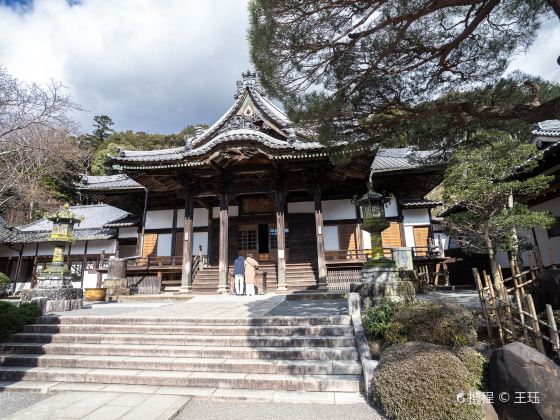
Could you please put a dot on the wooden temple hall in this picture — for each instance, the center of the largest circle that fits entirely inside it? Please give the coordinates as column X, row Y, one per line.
column 254, row 183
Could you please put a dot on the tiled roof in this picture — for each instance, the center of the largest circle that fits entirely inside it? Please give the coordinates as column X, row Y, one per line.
column 95, row 225
column 94, row 217
column 419, row 203
column 402, row 158
column 175, row 154
column 108, row 182
column 548, row 128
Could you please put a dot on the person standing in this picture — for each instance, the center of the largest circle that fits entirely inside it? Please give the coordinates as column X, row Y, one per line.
column 239, row 274
column 250, row 267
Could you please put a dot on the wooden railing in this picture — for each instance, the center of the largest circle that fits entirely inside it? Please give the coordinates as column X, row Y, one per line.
column 347, row 254
column 418, row 252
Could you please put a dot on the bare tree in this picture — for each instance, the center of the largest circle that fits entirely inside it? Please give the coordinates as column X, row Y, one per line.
column 36, row 146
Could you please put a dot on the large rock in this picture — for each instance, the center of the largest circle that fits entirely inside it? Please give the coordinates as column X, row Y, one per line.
column 381, row 284
column 547, row 289
column 518, row 370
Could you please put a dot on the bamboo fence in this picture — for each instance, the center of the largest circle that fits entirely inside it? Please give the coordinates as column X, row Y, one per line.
column 508, row 309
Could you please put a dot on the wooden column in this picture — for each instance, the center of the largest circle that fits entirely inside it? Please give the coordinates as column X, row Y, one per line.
column 186, row 276
column 359, row 235
column 281, row 238
column 174, row 233
column 321, row 263
column 223, row 246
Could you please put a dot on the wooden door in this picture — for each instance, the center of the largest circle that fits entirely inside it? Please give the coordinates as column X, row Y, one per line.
column 247, row 240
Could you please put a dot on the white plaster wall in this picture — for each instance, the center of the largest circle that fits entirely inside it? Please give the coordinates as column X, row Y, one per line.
column 200, row 238
column 29, row 250
column 233, row 211
column 159, row 219
column 128, row 232
column 127, row 250
column 22, row 286
column 164, row 245
column 78, row 248
column 45, row 248
column 90, row 279
column 7, row 252
column 367, row 239
column 409, row 236
column 95, row 247
column 330, row 238
column 391, row 208
column 301, row 207
column 444, row 237
column 416, row 217
column 200, row 217
column 338, row 209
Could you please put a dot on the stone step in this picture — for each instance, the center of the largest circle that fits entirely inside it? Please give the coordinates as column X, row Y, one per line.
column 204, row 330
column 215, row 394
column 268, row 353
column 283, row 367
column 322, row 383
column 254, row 322
column 180, row 340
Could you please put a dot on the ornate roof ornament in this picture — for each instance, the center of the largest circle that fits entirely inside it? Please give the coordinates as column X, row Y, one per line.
column 249, row 81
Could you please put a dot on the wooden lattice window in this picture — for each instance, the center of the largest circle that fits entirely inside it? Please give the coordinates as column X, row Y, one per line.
column 247, row 240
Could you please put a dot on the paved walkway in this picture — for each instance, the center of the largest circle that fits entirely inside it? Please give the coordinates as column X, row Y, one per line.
column 218, row 306
column 133, row 406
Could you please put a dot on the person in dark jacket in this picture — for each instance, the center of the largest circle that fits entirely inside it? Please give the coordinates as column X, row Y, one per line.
column 239, row 275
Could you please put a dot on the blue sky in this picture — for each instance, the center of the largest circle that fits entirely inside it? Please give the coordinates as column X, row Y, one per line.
column 155, row 65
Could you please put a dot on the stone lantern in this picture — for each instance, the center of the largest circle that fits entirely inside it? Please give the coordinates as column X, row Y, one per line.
column 54, row 291
column 381, row 279
column 374, row 222
column 57, row 275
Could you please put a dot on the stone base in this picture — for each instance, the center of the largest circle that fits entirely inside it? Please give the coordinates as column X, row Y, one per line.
column 384, row 284
column 54, row 300
column 116, row 287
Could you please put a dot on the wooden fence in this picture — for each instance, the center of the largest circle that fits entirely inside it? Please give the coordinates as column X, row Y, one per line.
column 508, row 307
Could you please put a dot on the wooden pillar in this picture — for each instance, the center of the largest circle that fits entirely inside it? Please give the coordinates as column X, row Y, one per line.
column 186, row 276
column 174, row 233
column 281, row 238
column 321, row 263
column 359, row 235
column 223, row 246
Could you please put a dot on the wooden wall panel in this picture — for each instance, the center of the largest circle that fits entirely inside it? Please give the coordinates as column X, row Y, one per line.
column 347, row 237
column 391, row 237
column 150, row 245
column 421, row 234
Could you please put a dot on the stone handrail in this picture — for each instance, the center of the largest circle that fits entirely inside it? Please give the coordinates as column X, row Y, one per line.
column 368, row 364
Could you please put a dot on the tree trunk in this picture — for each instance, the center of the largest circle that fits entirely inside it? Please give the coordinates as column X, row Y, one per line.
column 493, row 266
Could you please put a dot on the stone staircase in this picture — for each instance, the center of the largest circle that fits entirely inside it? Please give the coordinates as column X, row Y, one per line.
column 206, row 281
column 232, row 357
column 301, row 276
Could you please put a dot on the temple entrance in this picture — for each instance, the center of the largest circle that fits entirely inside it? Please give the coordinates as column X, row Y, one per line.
column 260, row 240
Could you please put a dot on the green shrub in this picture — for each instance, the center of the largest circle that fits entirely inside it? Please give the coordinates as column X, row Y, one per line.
column 474, row 362
column 378, row 318
column 4, row 280
column 13, row 318
column 439, row 322
column 421, row 381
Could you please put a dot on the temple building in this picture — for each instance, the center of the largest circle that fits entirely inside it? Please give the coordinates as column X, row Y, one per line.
column 252, row 183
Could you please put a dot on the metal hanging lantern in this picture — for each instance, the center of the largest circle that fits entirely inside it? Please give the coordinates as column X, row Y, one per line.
column 373, row 211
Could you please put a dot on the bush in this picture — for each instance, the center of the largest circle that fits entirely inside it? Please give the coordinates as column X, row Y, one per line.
column 379, row 318
column 13, row 318
column 474, row 362
column 421, row 381
column 440, row 322
column 4, row 284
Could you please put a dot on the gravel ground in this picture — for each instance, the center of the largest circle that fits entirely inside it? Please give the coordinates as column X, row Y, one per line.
column 212, row 410
column 318, row 307
column 12, row 401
